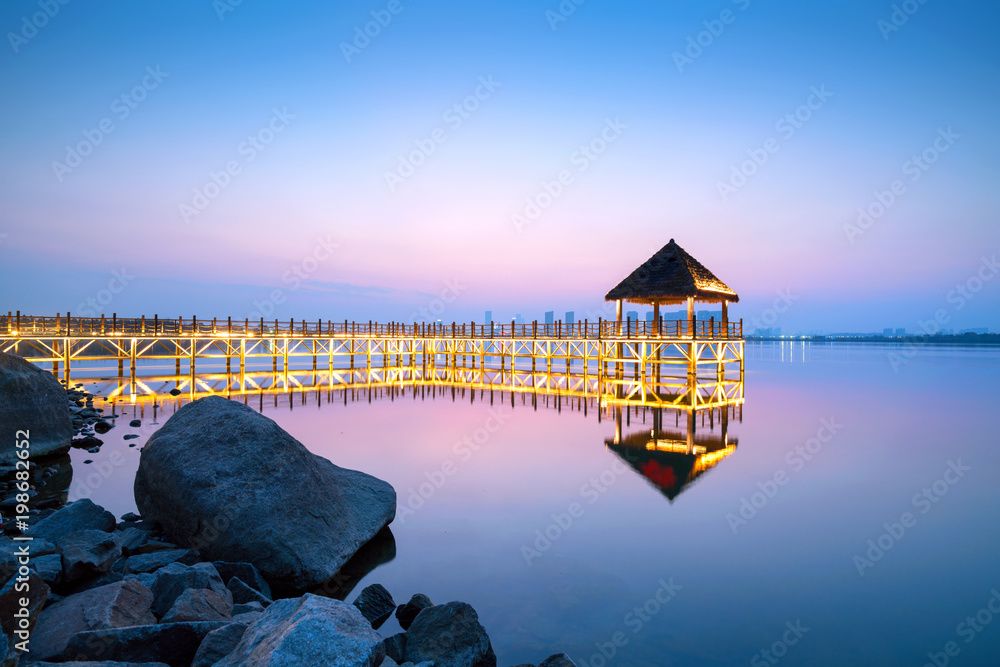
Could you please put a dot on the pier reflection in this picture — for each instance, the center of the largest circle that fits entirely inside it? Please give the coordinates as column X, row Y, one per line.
column 672, row 456
column 670, row 431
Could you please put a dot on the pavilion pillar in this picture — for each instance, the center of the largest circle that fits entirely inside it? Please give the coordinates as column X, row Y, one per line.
column 656, row 317
column 690, row 325
column 725, row 319
column 618, row 316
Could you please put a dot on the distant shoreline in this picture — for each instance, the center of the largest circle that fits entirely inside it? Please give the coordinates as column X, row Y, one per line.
column 960, row 339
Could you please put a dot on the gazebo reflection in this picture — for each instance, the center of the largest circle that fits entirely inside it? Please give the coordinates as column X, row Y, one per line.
column 672, row 456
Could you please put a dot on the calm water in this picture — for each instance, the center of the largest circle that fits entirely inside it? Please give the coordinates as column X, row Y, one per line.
column 733, row 584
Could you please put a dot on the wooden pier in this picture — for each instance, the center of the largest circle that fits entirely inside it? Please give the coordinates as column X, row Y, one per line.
column 623, row 360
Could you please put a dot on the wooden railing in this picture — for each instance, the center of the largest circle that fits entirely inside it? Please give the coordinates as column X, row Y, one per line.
column 25, row 326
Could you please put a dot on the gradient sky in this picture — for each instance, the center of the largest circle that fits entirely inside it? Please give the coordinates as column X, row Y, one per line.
column 444, row 239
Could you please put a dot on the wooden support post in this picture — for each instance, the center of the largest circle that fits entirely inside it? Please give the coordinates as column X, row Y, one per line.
column 690, row 316
column 725, row 319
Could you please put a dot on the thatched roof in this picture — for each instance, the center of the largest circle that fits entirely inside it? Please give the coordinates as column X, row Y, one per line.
column 669, row 277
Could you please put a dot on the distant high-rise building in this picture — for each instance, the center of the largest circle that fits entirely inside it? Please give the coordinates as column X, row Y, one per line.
column 632, row 314
column 887, row 331
column 649, row 316
column 570, row 317
column 901, row 332
column 518, row 319
column 550, row 317
column 489, row 317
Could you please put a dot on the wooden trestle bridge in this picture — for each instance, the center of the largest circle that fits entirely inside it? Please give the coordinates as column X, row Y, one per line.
column 682, row 363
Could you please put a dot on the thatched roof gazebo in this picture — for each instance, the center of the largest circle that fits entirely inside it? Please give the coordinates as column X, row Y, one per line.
column 670, row 277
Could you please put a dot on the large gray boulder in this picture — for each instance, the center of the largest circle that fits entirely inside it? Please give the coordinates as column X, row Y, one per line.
column 118, row 605
column 231, row 483
column 310, row 630
column 32, row 400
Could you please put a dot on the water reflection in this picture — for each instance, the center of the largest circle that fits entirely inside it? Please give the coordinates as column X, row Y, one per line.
column 672, row 458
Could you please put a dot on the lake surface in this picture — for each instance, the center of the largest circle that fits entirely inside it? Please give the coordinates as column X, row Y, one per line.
column 854, row 523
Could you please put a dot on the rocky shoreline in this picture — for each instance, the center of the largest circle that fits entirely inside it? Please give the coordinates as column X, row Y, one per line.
column 245, row 542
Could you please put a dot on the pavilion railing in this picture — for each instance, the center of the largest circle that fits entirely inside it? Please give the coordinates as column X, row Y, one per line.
column 30, row 326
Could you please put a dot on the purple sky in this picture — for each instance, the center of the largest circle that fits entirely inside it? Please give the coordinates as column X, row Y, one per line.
column 492, row 156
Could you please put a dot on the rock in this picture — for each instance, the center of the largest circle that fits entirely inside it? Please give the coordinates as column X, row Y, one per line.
column 450, row 635
column 10, row 601
column 175, row 392
column 135, row 423
column 199, row 604
column 405, row 613
column 171, row 581
column 247, row 573
column 102, row 426
column 152, row 545
column 395, row 646
column 376, row 604
column 172, row 643
column 243, row 593
column 310, row 630
column 154, row 560
column 93, row 663
column 247, row 617
column 247, row 607
column 130, row 436
column 87, row 553
column 77, row 516
column 232, row 484
column 31, row 400
column 117, row 605
column 131, row 539
column 217, row 644
column 88, row 442
column 49, row 568
column 558, row 660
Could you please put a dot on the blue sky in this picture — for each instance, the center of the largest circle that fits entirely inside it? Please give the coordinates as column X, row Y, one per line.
column 259, row 168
